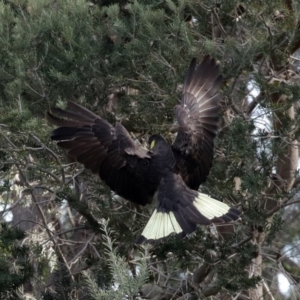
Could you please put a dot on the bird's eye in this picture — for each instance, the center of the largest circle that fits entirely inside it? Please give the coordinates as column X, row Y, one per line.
column 152, row 144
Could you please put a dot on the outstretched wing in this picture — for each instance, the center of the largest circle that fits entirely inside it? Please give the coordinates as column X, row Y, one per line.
column 179, row 210
column 103, row 149
column 197, row 116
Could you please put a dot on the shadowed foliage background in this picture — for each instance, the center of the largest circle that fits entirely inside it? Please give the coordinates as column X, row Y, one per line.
column 63, row 234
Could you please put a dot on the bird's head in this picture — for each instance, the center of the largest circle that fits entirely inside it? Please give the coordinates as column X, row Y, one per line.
column 154, row 140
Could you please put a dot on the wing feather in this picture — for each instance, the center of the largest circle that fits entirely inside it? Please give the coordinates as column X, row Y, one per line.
column 104, row 149
column 197, row 116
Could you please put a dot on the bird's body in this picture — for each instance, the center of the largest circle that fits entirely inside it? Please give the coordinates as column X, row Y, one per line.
column 170, row 173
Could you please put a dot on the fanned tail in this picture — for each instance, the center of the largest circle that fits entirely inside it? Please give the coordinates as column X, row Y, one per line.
column 179, row 210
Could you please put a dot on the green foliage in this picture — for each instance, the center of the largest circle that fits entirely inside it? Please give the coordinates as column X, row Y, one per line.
column 67, row 54
column 125, row 283
column 126, row 60
column 15, row 267
column 62, row 285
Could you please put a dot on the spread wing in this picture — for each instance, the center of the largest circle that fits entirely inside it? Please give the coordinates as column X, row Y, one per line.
column 104, row 149
column 197, row 116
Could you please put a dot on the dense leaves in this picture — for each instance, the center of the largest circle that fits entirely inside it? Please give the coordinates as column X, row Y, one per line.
column 126, row 60
column 15, row 267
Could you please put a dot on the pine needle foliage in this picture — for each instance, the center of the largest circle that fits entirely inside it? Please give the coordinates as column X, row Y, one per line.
column 62, row 285
column 126, row 60
column 124, row 284
column 15, row 267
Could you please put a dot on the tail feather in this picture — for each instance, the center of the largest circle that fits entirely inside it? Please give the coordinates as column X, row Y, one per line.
column 161, row 225
column 179, row 210
column 211, row 208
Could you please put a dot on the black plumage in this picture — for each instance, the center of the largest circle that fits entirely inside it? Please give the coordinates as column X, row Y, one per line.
column 170, row 173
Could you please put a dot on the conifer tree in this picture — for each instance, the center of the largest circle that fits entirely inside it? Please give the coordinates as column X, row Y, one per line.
column 126, row 61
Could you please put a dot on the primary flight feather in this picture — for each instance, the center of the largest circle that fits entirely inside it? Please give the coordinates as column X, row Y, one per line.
column 170, row 173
